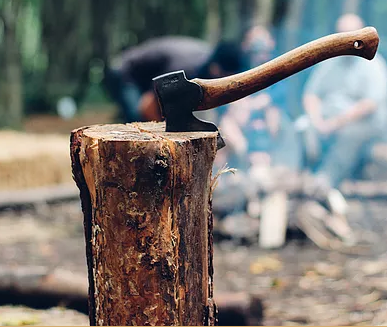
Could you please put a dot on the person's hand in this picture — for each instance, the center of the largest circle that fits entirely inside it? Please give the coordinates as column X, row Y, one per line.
column 149, row 107
column 258, row 124
column 273, row 120
column 260, row 158
column 232, row 132
column 260, row 101
column 327, row 127
column 239, row 111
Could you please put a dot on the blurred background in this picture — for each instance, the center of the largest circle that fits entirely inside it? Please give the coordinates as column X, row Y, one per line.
column 52, row 50
column 300, row 204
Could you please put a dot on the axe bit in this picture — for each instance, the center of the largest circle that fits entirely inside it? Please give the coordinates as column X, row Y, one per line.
column 179, row 97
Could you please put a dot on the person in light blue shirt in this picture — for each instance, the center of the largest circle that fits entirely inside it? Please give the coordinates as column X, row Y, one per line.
column 345, row 100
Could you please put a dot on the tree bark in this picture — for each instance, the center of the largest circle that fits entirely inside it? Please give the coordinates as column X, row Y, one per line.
column 148, row 224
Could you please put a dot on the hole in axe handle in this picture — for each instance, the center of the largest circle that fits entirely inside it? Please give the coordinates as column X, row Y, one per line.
column 358, row 44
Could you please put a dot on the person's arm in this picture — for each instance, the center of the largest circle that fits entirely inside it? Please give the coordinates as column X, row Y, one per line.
column 273, row 120
column 233, row 134
column 314, row 90
column 359, row 110
column 149, row 107
column 312, row 106
column 374, row 87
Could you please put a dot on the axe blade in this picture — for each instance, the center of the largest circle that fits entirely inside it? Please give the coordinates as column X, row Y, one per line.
column 178, row 98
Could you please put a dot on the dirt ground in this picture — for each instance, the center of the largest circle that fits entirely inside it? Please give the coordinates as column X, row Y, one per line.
column 298, row 284
column 19, row 316
column 44, row 123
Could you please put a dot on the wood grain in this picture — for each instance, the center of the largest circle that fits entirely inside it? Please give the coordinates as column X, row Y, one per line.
column 217, row 92
column 146, row 200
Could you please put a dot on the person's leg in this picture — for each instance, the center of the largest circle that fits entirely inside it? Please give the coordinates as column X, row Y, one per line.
column 126, row 96
column 340, row 161
column 286, row 148
column 311, row 146
column 344, row 154
column 129, row 102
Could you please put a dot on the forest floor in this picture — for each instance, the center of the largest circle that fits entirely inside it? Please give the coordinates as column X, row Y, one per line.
column 44, row 123
column 299, row 284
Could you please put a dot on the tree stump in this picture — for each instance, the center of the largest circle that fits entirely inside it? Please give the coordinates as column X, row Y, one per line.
column 146, row 199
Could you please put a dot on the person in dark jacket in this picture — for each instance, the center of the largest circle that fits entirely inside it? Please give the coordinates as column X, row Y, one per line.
column 129, row 83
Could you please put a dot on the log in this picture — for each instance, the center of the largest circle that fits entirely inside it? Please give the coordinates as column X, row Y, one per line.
column 274, row 220
column 146, row 199
column 42, row 287
column 38, row 195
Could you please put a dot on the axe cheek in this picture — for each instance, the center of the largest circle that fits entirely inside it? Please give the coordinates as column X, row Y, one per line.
column 178, row 98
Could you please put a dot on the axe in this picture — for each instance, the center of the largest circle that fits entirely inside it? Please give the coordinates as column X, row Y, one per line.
column 179, row 97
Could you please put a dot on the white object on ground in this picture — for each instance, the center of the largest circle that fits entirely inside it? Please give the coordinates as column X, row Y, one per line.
column 337, row 202
column 273, row 224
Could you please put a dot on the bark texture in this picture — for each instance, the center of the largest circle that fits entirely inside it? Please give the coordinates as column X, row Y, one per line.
column 146, row 201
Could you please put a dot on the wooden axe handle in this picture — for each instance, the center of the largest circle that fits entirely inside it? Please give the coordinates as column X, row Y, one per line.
column 220, row 91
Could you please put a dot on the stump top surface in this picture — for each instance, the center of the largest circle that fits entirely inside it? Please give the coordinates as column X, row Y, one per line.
column 149, row 131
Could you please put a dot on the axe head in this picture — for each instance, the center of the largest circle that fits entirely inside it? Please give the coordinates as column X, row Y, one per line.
column 178, row 98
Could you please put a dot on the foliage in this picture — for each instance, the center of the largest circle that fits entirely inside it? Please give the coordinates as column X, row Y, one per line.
column 61, row 45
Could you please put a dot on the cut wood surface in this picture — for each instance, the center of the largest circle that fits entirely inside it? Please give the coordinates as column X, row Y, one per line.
column 146, row 202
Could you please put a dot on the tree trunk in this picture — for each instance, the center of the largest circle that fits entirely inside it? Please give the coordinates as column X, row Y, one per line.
column 148, row 223
column 213, row 21
column 247, row 11
column 264, row 12
column 11, row 107
column 100, row 18
column 66, row 41
column 230, row 23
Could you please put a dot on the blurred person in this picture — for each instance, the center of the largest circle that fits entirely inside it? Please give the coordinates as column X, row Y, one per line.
column 129, row 82
column 259, row 135
column 259, row 127
column 345, row 100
